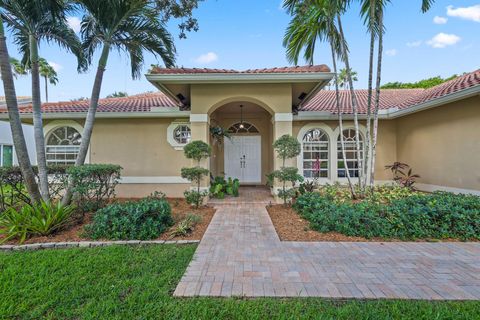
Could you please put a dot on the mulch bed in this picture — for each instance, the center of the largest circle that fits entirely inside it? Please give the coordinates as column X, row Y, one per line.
column 180, row 209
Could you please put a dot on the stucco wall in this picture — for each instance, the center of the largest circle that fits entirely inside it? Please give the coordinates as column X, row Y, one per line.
column 443, row 144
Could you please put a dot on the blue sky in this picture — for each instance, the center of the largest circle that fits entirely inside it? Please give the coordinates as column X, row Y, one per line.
column 248, row 34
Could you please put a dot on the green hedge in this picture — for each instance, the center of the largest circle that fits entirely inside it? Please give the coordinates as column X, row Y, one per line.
column 421, row 216
column 135, row 220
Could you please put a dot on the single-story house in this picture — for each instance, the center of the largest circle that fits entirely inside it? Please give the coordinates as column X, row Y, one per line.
column 436, row 131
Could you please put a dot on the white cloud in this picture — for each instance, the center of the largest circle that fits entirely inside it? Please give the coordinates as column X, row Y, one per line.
column 74, row 23
column 414, row 44
column 443, row 40
column 439, row 20
column 207, row 58
column 467, row 13
column 57, row 67
column 391, row 52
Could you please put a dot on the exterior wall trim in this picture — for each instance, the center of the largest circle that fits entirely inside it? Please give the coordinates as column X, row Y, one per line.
column 431, row 188
column 203, row 117
column 154, row 179
column 283, row 116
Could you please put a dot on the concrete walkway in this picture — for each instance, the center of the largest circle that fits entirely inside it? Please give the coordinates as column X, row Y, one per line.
column 241, row 255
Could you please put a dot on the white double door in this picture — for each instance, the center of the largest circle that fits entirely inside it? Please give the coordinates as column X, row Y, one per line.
column 242, row 158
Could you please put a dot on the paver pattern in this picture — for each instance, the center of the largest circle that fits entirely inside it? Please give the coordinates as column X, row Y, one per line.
column 241, row 255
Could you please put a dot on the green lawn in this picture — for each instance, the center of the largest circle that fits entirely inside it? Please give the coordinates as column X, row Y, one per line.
column 136, row 283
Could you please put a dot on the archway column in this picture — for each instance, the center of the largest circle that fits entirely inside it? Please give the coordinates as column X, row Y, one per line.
column 200, row 130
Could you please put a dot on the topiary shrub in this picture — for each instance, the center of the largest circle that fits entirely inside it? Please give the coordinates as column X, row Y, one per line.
column 196, row 150
column 135, row 220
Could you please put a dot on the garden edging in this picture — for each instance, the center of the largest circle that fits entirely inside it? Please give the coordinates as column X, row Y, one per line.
column 88, row 244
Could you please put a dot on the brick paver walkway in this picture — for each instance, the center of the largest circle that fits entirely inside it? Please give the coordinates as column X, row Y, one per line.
column 241, row 255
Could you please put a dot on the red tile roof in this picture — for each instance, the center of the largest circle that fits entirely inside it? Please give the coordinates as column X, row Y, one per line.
column 391, row 98
column 296, row 69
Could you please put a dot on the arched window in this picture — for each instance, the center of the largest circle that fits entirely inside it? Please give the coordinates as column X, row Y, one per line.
column 350, row 154
column 243, row 127
column 63, row 145
column 315, row 154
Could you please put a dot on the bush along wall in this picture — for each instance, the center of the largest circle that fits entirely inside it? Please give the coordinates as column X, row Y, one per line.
column 439, row 215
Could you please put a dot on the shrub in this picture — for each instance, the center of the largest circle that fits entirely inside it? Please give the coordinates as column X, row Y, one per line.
column 186, row 225
column 196, row 150
column 135, row 220
column 437, row 215
column 219, row 187
column 94, row 184
column 194, row 197
column 39, row 219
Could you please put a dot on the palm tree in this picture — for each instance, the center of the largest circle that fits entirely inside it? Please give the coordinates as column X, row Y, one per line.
column 309, row 24
column 342, row 78
column 14, row 118
column 48, row 73
column 18, row 69
column 131, row 26
column 32, row 22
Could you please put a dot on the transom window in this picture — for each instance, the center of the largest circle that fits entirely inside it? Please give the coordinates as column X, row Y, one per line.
column 182, row 134
column 243, row 127
column 350, row 154
column 63, row 145
column 315, row 154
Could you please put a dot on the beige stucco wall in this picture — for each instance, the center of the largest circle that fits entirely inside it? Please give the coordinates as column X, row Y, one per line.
column 443, row 144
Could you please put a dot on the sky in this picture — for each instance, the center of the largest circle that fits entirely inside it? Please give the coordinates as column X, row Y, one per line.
column 248, row 34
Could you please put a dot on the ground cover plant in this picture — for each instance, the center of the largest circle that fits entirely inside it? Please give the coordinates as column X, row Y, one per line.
column 122, row 282
column 393, row 213
column 220, row 187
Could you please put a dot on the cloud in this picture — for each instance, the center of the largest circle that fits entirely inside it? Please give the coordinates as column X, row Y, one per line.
column 443, row 40
column 414, row 44
column 74, row 23
column 467, row 13
column 207, row 58
column 57, row 67
column 439, row 20
column 391, row 52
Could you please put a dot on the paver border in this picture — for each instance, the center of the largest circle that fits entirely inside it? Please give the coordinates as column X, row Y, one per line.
column 88, row 244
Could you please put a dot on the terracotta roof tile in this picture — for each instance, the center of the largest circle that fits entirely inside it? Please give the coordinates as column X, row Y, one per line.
column 296, row 69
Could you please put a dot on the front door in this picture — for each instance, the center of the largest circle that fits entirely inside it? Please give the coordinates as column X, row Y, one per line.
column 243, row 158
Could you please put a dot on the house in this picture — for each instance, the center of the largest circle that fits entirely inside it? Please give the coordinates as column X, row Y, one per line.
column 8, row 156
column 436, row 131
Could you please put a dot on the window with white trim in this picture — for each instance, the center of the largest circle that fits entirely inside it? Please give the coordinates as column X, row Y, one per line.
column 6, row 155
column 63, row 145
column 350, row 154
column 315, row 154
column 243, row 127
column 182, row 134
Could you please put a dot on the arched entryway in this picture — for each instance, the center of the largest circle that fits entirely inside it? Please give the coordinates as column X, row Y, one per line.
column 248, row 154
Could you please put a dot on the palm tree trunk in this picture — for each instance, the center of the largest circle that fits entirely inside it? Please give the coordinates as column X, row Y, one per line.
column 46, row 89
column 15, row 122
column 377, row 101
column 354, row 102
column 90, row 119
column 340, row 122
column 37, row 121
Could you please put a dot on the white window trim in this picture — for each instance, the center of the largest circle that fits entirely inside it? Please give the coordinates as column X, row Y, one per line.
column 363, row 133
column 52, row 125
column 170, row 130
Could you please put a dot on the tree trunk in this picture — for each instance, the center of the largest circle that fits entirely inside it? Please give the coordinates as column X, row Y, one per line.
column 46, row 89
column 354, row 103
column 340, row 123
column 90, row 119
column 37, row 120
column 377, row 101
column 15, row 122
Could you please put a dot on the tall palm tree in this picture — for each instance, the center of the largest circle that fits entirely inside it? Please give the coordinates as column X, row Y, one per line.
column 309, row 24
column 131, row 26
column 14, row 118
column 48, row 73
column 342, row 78
column 32, row 22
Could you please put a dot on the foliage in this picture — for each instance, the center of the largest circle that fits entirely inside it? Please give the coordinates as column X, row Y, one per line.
column 423, row 84
column 40, row 219
column 195, row 197
column 119, row 94
column 287, row 147
column 417, row 216
column 134, row 220
column 270, row 179
column 94, row 184
column 118, row 282
column 401, row 176
column 186, row 225
column 219, row 134
column 343, row 77
column 308, row 186
column 219, row 187
column 197, row 150
column 194, row 174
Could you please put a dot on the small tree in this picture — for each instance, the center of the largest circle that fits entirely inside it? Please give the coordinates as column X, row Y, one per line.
column 287, row 147
column 196, row 150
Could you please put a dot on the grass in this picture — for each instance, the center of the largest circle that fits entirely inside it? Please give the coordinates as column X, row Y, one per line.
column 137, row 282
